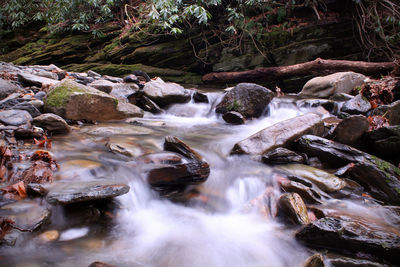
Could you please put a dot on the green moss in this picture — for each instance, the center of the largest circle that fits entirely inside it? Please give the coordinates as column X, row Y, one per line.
column 235, row 106
column 171, row 75
column 59, row 95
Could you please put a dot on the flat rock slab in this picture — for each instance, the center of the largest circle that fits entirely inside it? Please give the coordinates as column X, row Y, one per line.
column 279, row 134
column 74, row 192
column 35, row 80
column 110, row 130
column 324, row 180
column 15, row 117
column 26, row 214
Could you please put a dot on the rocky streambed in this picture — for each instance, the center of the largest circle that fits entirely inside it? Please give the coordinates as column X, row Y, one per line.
column 103, row 171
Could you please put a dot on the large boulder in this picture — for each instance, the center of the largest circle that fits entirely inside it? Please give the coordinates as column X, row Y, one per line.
column 7, row 88
column 279, row 134
column 326, row 86
column 249, row 99
column 163, row 93
column 74, row 101
column 379, row 177
column 52, row 123
column 351, row 237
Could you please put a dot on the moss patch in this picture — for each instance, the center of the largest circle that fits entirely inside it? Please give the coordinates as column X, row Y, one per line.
column 58, row 96
column 122, row 70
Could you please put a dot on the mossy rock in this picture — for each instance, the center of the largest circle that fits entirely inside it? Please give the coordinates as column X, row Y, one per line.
column 170, row 75
column 74, row 101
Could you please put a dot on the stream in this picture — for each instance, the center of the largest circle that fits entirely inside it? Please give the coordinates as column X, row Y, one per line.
column 214, row 224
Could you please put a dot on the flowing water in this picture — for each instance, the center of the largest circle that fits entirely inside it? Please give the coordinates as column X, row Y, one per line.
column 216, row 226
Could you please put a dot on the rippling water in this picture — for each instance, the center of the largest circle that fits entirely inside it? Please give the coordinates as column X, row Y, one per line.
column 214, row 228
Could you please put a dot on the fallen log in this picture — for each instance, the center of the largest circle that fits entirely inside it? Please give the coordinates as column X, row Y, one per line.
column 317, row 67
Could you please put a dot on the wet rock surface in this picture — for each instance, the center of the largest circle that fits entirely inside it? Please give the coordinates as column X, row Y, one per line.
column 282, row 155
column 291, row 208
column 234, row 117
column 69, row 193
column 280, row 134
column 380, row 177
column 351, row 237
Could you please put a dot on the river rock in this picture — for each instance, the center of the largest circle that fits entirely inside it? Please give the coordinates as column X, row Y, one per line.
column 40, row 95
column 282, row 155
column 15, row 117
column 33, row 80
column 329, row 105
column 74, row 101
column 378, row 177
column 123, row 90
column 93, row 74
column 131, row 78
column 391, row 112
column 351, row 237
column 249, row 99
column 279, row 134
column 112, row 79
column 126, row 150
column 111, row 130
column 326, row 86
column 139, row 99
column 7, row 88
column 46, row 74
column 199, row 97
column 52, row 123
column 102, row 85
column 356, row 105
column 170, row 169
column 324, row 180
column 307, row 193
column 291, row 207
column 27, row 214
column 73, row 192
column 28, row 107
column 341, row 261
column 234, row 117
column 37, row 103
column 341, row 97
column 163, row 93
column 316, row 260
column 351, row 129
column 385, row 141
